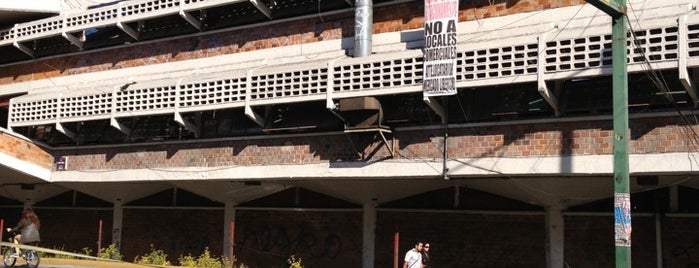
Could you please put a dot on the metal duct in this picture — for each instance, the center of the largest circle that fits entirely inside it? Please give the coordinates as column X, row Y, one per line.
column 363, row 27
column 361, row 112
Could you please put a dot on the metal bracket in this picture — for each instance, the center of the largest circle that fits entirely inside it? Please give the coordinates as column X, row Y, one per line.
column 381, row 131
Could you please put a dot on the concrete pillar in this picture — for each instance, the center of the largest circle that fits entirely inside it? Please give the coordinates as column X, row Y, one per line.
column 674, row 198
column 117, row 222
column 554, row 237
column 229, row 230
column 658, row 241
column 368, row 235
column 28, row 203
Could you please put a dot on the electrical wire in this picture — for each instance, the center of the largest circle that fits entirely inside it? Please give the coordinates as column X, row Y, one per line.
column 658, row 80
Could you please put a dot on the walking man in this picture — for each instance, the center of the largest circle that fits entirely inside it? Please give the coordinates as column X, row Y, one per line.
column 413, row 258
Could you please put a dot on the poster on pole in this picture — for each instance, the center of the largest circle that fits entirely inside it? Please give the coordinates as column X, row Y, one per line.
column 439, row 65
column 622, row 219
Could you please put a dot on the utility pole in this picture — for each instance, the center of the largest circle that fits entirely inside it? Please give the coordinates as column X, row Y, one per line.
column 620, row 87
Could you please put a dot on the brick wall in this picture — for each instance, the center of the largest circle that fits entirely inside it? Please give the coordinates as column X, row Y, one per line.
column 178, row 232
column 333, row 239
column 653, row 135
column 74, row 229
column 392, row 18
column 464, row 240
column 680, row 241
column 589, row 241
column 25, row 150
column 320, row 239
column 66, row 229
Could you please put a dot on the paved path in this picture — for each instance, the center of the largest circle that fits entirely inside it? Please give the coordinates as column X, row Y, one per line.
column 77, row 263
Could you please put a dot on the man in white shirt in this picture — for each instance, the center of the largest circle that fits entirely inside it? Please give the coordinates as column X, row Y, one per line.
column 413, row 258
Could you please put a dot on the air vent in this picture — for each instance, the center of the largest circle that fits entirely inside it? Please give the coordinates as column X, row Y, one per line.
column 362, row 112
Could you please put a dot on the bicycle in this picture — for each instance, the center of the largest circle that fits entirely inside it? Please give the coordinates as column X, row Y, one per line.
column 29, row 255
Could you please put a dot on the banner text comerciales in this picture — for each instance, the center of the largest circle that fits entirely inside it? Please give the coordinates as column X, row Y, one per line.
column 439, row 69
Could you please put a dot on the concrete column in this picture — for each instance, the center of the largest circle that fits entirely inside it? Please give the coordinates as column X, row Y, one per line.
column 554, row 237
column 674, row 198
column 28, row 203
column 229, row 230
column 658, row 240
column 117, row 222
column 368, row 235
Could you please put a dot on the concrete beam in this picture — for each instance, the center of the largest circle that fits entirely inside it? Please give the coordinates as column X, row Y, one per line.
column 262, row 8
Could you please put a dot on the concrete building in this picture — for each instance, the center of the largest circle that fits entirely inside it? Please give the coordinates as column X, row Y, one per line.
column 265, row 129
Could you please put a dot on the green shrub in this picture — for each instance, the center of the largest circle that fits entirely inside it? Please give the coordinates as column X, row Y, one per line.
column 293, row 262
column 111, row 252
column 187, row 261
column 156, row 257
column 57, row 256
column 205, row 260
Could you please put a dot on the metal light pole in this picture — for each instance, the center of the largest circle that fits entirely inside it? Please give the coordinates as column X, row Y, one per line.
column 620, row 87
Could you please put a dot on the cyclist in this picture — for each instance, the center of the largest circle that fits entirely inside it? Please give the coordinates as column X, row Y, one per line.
column 27, row 228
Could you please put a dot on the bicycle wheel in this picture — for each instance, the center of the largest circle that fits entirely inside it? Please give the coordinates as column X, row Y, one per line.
column 32, row 258
column 7, row 259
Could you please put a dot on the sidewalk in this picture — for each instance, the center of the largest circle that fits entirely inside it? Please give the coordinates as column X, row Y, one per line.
column 91, row 263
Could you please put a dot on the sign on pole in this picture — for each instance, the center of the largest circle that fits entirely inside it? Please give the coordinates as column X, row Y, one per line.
column 439, row 66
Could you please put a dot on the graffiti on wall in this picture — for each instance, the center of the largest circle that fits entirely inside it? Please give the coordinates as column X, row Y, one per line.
column 688, row 254
column 282, row 241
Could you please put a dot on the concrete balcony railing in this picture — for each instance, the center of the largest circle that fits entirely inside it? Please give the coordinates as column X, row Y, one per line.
column 544, row 49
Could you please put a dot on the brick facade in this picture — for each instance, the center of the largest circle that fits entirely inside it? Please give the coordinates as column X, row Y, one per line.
column 650, row 135
column 464, row 240
column 386, row 19
column 25, row 150
column 178, row 232
column 589, row 241
column 333, row 238
column 320, row 238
